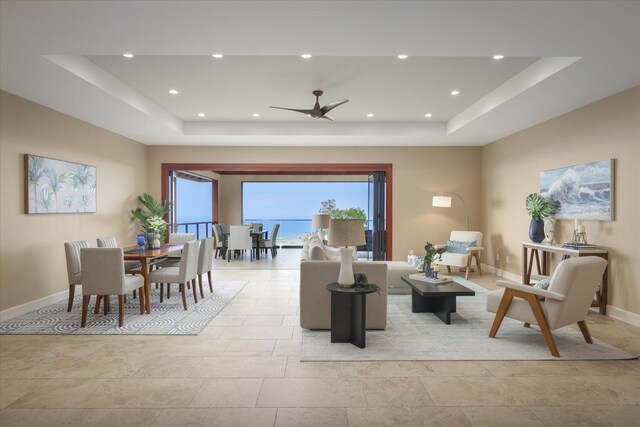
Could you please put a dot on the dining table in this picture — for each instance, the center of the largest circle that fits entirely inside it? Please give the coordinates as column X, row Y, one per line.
column 148, row 258
column 255, row 238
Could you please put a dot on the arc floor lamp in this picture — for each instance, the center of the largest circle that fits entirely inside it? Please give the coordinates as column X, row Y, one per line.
column 444, row 201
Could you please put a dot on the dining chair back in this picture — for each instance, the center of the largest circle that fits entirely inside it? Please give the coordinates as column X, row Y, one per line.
column 256, row 226
column 188, row 269
column 74, row 270
column 106, row 242
column 271, row 243
column 103, row 275
column 205, row 262
column 239, row 239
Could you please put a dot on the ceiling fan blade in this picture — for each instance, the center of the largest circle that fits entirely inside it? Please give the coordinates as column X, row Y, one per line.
column 307, row 112
column 328, row 117
column 330, row 106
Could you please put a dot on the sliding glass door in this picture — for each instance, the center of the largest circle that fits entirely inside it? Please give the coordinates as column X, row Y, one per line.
column 377, row 222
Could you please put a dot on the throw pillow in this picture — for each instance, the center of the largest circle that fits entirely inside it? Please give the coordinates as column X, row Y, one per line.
column 543, row 284
column 316, row 251
column 455, row 247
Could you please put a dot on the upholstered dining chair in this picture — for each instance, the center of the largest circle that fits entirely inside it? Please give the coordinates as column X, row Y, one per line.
column 130, row 266
column 239, row 240
column 217, row 233
column 566, row 301
column 463, row 246
column 271, row 243
column 173, row 258
column 74, row 270
column 103, row 274
column 205, row 262
column 184, row 274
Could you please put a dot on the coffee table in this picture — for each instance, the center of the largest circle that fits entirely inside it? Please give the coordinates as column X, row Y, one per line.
column 439, row 299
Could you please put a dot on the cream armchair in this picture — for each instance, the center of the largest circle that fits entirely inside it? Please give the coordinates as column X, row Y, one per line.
column 567, row 300
column 463, row 259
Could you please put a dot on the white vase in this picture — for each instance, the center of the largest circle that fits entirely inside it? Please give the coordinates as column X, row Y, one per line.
column 345, row 279
column 156, row 243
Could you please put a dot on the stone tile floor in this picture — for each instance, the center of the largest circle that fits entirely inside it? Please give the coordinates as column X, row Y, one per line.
column 244, row 370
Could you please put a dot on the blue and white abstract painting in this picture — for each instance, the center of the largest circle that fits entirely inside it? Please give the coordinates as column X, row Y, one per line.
column 582, row 191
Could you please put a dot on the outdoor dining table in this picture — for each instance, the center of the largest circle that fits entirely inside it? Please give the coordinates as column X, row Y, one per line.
column 255, row 237
column 147, row 258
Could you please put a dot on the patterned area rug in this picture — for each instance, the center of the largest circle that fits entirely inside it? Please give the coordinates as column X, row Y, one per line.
column 166, row 318
column 422, row 336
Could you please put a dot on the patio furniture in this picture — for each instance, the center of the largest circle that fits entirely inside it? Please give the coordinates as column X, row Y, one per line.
column 239, row 240
column 270, row 244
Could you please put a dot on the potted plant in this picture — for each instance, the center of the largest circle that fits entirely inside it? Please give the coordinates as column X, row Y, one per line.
column 431, row 254
column 538, row 208
column 154, row 209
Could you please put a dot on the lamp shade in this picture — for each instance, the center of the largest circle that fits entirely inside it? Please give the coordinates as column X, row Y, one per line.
column 346, row 232
column 441, row 201
column 320, row 221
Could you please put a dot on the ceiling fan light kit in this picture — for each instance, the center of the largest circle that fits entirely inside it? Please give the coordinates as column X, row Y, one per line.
column 317, row 112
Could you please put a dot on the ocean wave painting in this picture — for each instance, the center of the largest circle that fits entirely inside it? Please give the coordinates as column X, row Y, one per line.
column 582, row 191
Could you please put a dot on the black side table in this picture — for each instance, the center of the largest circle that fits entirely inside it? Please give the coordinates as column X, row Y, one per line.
column 348, row 314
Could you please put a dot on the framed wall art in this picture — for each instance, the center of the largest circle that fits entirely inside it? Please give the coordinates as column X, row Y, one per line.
column 57, row 186
column 582, row 191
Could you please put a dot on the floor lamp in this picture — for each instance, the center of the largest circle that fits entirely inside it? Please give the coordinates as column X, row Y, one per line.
column 444, row 201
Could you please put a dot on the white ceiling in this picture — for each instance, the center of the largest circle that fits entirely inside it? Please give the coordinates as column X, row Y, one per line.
column 559, row 56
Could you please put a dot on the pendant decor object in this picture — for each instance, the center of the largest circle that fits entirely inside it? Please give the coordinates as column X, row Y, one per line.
column 156, row 242
column 150, row 238
column 536, row 230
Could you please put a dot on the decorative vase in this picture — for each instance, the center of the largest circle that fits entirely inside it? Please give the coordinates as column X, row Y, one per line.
column 156, row 241
column 141, row 239
column 428, row 270
column 345, row 278
column 150, row 238
column 536, row 230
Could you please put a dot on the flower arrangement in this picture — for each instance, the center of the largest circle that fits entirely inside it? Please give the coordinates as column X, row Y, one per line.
column 158, row 224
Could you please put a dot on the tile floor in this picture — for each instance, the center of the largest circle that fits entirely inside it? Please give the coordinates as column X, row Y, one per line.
column 244, row 370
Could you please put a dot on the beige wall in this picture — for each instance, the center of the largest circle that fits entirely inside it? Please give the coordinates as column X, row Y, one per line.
column 418, row 173
column 32, row 261
column 231, row 190
column 609, row 128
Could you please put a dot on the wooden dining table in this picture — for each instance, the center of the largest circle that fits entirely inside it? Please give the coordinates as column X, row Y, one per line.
column 147, row 258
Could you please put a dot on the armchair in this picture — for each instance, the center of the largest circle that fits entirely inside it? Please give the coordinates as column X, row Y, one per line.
column 566, row 301
column 463, row 259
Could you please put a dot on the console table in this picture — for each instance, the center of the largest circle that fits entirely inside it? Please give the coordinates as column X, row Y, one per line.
column 348, row 314
column 531, row 251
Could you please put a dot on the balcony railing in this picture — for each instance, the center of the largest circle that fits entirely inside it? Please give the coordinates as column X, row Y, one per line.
column 201, row 229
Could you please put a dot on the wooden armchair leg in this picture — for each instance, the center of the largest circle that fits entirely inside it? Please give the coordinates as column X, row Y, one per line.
column 106, row 304
column 585, row 331
column 476, row 255
column 507, row 297
column 468, row 269
column 85, row 308
column 195, row 291
column 534, row 303
column 183, row 290
column 72, row 291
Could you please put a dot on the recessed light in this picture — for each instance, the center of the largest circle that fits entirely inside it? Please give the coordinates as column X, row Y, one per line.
column 218, row 55
column 370, row 115
column 128, row 55
column 455, row 92
column 201, row 114
column 498, row 56
column 173, row 92
column 306, row 56
column 428, row 115
column 403, row 56
column 256, row 115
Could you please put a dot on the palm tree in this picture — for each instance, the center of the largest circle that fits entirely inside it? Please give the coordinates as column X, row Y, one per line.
column 56, row 182
column 81, row 177
column 36, row 170
column 47, row 199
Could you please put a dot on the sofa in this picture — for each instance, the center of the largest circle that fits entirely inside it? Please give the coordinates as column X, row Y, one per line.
column 320, row 265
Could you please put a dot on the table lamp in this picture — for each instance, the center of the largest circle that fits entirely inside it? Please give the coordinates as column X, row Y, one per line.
column 346, row 232
column 321, row 222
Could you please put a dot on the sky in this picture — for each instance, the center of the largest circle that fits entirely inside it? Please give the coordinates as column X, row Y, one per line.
column 193, row 200
column 298, row 200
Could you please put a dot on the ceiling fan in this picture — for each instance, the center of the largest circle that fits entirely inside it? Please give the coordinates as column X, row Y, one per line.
column 317, row 112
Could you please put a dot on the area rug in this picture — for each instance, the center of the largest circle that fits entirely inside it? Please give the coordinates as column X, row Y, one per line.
column 166, row 318
column 422, row 336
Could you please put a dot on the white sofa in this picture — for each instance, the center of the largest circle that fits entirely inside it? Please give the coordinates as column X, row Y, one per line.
column 395, row 269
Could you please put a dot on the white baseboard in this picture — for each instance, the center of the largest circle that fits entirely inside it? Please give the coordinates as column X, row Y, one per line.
column 613, row 312
column 27, row 307
column 623, row 315
column 502, row 273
